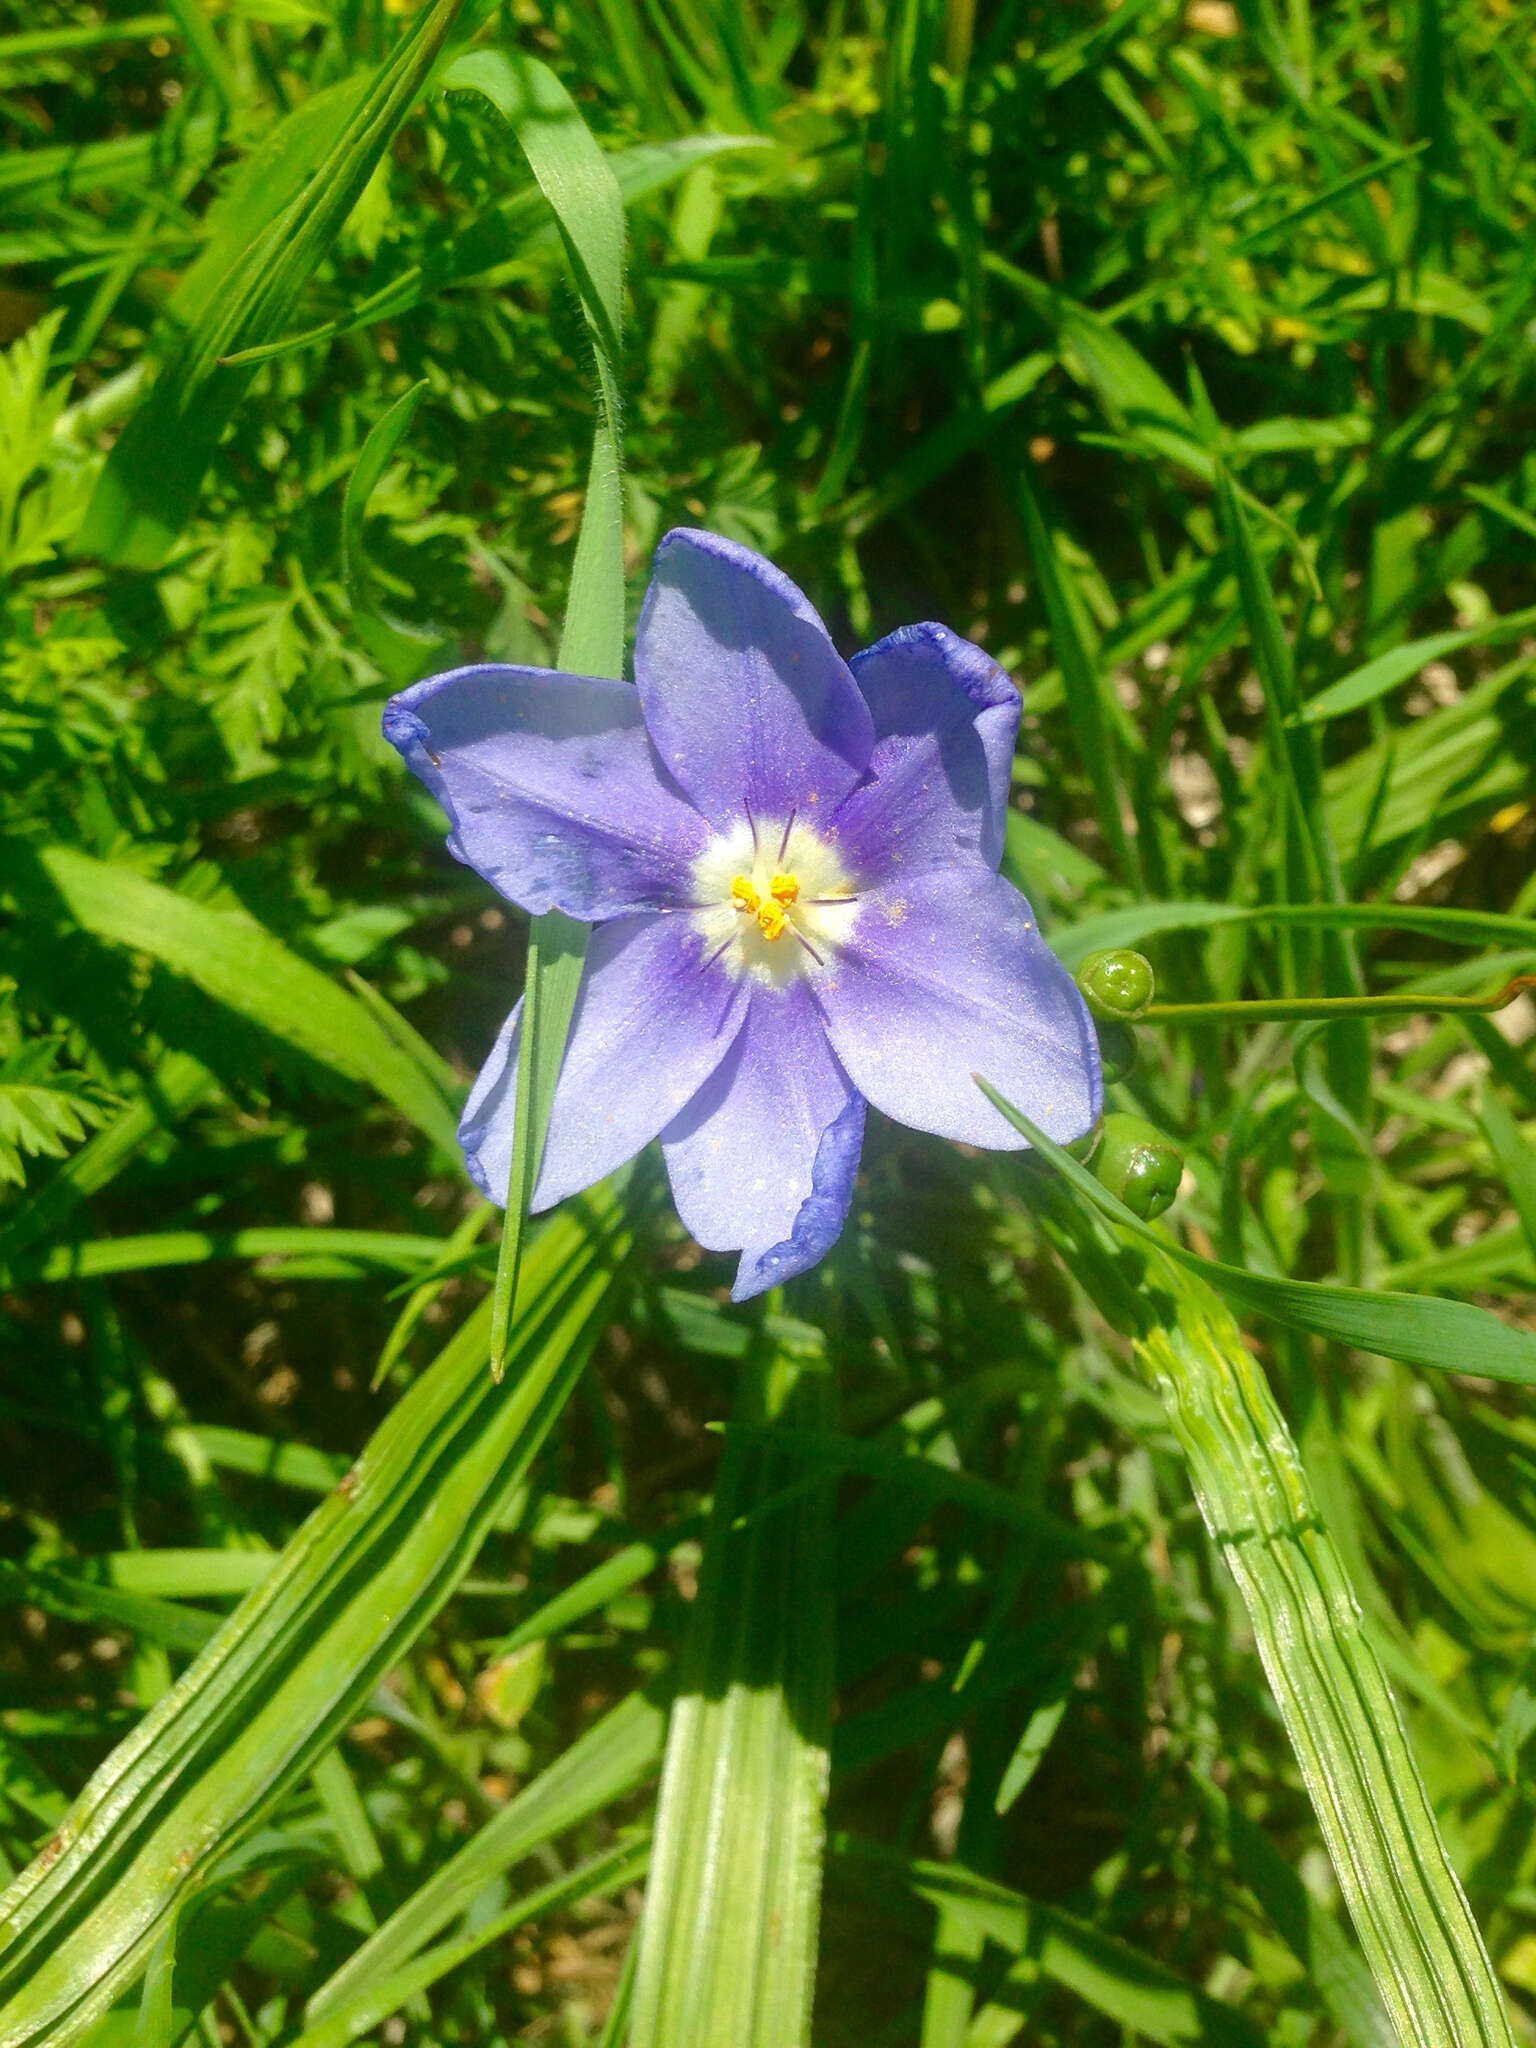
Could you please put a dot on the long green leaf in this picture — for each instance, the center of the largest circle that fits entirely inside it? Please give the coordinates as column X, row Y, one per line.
column 578, row 181
column 1420, row 1329
column 1514, row 1158
column 1410, row 1913
column 1116, row 928
column 728, row 1941
column 1312, row 1934
column 357, row 1584
column 1143, row 1995
column 241, row 965
column 38, row 174
column 376, row 1998
column 1364, row 685
column 401, row 653
column 148, row 489
column 339, row 1250
column 615, row 1755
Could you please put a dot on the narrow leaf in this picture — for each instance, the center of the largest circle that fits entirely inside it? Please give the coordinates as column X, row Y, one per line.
column 238, row 963
column 578, row 181
column 148, row 489
column 1410, row 1913
column 285, row 1674
column 728, row 1941
column 1420, row 1329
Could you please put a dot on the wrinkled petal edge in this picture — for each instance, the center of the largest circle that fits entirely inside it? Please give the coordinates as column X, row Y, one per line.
column 822, row 1214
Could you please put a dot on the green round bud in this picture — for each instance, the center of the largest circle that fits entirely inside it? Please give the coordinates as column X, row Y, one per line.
column 1136, row 1162
column 1116, row 986
column 1117, row 1052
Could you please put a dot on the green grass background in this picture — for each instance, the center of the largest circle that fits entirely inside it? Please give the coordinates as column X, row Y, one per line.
column 1182, row 355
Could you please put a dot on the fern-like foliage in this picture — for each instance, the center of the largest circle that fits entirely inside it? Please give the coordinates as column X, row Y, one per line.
column 44, row 1107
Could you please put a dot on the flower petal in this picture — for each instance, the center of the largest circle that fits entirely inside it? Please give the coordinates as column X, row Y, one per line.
column 554, row 792
column 945, row 718
column 746, row 699
column 764, row 1156
column 652, row 1022
column 944, row 975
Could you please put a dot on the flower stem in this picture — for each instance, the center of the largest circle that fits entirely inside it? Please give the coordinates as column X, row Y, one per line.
column 1323, row 1009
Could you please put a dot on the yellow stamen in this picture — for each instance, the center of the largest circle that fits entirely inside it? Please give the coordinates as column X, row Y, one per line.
column 783, row 888
column 770, row 921
column 743, row 895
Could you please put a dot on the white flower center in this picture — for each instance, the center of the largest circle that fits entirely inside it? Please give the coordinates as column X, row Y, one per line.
column 773, row 899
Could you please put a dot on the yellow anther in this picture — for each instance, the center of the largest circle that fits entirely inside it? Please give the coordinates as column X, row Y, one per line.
column 783, row 888
column 743, row 895
column 770, row 921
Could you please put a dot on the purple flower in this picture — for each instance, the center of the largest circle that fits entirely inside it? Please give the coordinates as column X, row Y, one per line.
column 791, row 863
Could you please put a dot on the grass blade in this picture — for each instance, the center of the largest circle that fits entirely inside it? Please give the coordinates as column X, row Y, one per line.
column 359, row 1581
column 1313, row 1936
column 238, row 963
column 615, row 1755
column 148, row 489
column 1419, row 1329
column 1409, row 1911
column 377, row 1998
column 578, row 181
column 728, row 1941
column 1514, row 1158
column 1087, row 702
column 400, row 653
column 176, row 1086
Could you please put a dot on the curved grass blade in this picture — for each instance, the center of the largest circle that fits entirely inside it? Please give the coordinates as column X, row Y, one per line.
column 176, row 1086
column 238, row 963
column 147, row 490
column 1146, row 1998
column 377, row 1997
column 1140, row 921
column 399, row 652
column 1420, row 1329
column 615, row 1755
column 1364, row 685
column 357, row 1584
column 728, row 1939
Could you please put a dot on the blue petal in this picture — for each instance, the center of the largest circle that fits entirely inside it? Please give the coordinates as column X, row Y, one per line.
column 652, row 1022
column 752, row 1160
column 746, row 699
column 944, row 975
column 945, row 718
column 821, row 1216
column 552, row 789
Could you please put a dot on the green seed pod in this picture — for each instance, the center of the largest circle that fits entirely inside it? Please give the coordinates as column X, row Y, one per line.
column 1117, row 1051
column 1136, row 1162
column 1116, row 986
